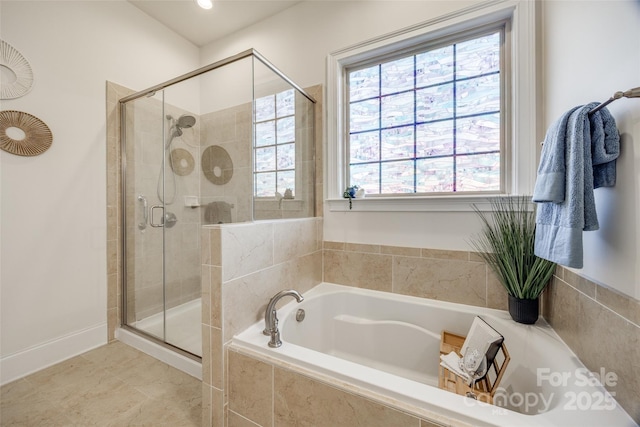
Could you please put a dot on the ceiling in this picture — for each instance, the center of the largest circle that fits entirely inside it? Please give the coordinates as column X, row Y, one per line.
column 201, row 26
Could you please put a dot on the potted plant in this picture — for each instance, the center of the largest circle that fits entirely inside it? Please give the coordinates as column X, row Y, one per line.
column 506, row 243
column 350, row 193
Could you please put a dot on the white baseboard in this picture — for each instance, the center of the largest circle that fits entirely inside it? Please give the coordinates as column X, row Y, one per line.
column 25, row 362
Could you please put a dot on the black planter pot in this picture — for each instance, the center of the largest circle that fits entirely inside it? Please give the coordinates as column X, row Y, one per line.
column 523, row 310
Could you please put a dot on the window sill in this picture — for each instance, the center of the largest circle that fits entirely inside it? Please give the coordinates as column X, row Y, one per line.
column 412, row 204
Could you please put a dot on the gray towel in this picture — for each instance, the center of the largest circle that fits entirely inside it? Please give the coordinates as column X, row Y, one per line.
column 217, row 213
column 578, row 155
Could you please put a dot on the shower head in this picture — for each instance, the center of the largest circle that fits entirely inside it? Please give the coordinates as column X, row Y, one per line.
column 185, row 121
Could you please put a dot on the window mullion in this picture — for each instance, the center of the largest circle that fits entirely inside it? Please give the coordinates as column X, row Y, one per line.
column 455, row 115
column 415, row 130
column 380, row 128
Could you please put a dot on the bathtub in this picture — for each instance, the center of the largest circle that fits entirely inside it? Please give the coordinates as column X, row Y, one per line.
column 386, row 346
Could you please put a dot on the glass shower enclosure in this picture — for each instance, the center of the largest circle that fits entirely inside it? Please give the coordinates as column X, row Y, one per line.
column 229, row 142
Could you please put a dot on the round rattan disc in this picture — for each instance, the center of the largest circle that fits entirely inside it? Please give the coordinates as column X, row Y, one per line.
column 37, row 136
column 217, row 165
column 13, row 60
column 182, row 161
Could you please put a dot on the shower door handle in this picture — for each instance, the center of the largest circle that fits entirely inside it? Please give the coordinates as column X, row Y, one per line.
column 161, row 224
column 143, row 225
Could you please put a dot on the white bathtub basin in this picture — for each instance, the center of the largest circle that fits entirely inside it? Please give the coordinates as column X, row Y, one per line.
column 388, row 344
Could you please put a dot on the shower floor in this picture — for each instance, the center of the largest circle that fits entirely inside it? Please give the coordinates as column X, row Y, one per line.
column 183, row 328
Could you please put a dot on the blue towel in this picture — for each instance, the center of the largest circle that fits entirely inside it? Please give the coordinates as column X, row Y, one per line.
column 578, row 155
column 605, row 148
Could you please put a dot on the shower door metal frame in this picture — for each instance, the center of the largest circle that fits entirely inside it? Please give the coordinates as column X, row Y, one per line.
column 123, row 169
column 246, row 54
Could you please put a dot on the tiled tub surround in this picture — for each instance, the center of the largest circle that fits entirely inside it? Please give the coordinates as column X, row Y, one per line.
column 454, row 276
column 602, row 327
column 443, row 275
column 387, row 345
column 266, row 394
column 243, row 266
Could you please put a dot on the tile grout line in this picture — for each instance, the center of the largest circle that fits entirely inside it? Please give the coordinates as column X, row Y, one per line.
column 599, row 303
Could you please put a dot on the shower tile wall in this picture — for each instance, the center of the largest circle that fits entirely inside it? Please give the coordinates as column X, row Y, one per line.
column 182, row 241
column 230, row 129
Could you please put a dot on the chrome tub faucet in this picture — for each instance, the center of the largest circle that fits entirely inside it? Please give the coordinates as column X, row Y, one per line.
column 271, row 318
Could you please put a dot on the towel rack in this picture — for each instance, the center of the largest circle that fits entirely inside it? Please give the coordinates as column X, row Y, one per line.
column 631, row 93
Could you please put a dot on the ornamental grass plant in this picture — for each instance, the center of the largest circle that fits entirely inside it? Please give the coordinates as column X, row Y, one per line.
column 506, row 243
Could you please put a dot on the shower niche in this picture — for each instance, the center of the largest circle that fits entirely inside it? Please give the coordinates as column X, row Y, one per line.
column 230, row 142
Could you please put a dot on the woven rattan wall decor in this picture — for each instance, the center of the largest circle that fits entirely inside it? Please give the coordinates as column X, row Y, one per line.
column 37, row 136
column 217, row 165
column 182, row 162
column 20, row 80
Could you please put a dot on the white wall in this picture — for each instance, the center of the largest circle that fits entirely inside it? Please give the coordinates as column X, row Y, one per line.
column 599, row 54
column 53, row 206
column 591, row 50
column 298, row 40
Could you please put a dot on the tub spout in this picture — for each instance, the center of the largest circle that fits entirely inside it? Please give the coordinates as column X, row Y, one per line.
column 271, row 318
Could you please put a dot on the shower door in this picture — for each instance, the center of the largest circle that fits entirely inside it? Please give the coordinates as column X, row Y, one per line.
column 162, row 233
column 191, row 158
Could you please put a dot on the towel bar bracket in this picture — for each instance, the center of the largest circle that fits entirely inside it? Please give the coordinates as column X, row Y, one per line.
column 631, row 93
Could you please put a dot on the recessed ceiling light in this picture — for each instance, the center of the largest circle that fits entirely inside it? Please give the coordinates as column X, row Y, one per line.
column 205, row 4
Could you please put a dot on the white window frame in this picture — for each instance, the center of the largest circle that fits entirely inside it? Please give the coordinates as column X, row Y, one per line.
column 522, row 107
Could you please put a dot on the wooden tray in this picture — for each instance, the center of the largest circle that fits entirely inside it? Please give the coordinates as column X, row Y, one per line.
column 484, row 388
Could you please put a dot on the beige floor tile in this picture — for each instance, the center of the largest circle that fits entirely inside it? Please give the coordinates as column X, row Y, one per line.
column 114, row 385
column 30, row 409
column 113, row 355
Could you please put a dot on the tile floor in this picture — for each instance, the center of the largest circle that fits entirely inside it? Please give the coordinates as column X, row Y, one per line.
column 114, row 385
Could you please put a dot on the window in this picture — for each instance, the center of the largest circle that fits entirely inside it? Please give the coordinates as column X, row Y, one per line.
column 275, row 150
column 519, row 115
column 430, row 121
